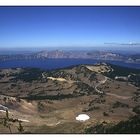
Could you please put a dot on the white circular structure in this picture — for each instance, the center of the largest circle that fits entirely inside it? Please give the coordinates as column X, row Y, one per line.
column 82, row 117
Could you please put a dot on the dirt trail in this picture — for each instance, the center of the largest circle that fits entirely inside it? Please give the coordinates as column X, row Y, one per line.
column 117, row 96
column 53, row 124
column 110, row 94
column 100, row 83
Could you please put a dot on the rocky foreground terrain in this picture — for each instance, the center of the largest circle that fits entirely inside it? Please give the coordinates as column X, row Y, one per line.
column 38, row 101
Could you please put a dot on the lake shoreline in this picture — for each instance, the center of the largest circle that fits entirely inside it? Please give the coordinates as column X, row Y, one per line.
column 53, row 64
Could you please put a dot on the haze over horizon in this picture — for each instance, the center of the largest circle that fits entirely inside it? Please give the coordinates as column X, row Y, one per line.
column 61, row 27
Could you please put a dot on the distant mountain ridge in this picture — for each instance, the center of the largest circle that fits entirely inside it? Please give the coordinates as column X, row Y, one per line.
column 76, row 54
column 97, row 55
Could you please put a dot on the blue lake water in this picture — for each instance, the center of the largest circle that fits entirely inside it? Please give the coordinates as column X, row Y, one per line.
column 58, row 63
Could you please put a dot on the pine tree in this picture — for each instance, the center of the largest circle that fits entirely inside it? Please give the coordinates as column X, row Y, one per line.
column 20, row 128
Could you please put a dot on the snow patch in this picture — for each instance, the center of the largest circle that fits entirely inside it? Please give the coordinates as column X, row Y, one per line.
column 4, row 111
column 23, row 120
column 58, row 79
column 82, row 117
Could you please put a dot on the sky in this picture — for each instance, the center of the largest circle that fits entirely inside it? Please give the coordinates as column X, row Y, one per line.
column 69, row 26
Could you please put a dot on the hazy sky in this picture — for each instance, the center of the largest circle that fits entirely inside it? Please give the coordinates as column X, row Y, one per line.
column 68, row 26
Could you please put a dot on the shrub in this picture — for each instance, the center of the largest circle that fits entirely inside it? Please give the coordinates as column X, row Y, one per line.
column 136, row 109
